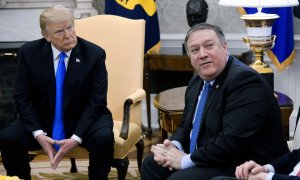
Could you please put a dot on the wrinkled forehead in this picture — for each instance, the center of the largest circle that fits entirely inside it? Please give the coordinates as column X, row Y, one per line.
column 203, row 34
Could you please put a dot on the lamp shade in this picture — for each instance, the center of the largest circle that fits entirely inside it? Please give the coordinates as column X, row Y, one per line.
column 259, row 3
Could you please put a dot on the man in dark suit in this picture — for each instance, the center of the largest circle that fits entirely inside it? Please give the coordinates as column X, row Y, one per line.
column 284, row 167
column 86, row 119
column 241, row 118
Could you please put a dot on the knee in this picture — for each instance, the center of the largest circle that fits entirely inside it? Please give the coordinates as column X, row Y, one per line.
column 8, row 142
column 148, row 162
column 108, row 138
column 105, row 139
column 151, row 170
column 5, row 139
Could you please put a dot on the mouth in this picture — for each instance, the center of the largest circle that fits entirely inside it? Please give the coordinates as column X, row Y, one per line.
column 204, row 64
column 69, row 43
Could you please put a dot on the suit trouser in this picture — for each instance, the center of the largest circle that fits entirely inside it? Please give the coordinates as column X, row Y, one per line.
column 15, row 142
column 152, row 171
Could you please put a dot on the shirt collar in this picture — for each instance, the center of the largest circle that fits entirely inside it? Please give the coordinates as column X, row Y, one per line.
column 56, row 52
column 210, row 82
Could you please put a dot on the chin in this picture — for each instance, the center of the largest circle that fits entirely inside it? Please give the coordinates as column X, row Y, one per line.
column 208, row 76
column 70, row 46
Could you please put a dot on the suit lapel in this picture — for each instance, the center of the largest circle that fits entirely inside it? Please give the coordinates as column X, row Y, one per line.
column 47, row 67
column 214, row 90
column 193, row 103
column 71, row 75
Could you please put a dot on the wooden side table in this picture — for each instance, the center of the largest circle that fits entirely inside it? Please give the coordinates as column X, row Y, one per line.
column 170, row 104
column 164, row 62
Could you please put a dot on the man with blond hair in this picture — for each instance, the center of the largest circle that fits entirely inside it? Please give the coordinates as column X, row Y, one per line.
column 61, row 98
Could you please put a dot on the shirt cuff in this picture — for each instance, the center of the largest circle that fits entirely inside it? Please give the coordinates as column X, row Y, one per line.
column 38, row 132
column 178, row 145
column 186, row 161
column 76, row 138
column 270, row 168
column 269, row 176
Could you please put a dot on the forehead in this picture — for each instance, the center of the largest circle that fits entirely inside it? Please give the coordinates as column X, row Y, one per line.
column 59, row 24
column 202, row 35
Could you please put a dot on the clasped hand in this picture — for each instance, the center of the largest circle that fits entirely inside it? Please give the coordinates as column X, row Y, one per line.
column 66, row 145
column 167, row 155
column 252, row 171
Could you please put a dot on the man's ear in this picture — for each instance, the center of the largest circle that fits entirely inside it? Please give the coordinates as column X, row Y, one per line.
column 45, row 35
column 225, row 46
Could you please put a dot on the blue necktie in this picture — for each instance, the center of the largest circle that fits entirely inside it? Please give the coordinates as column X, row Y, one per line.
column 198, row 116
column 58, row 132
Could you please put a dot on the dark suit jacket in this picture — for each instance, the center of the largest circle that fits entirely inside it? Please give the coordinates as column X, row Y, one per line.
column 285, row 165
column 241, row 120
column 85, row 88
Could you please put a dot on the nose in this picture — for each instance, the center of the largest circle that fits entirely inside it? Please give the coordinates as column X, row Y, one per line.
column 202, row 53
column 67, row 33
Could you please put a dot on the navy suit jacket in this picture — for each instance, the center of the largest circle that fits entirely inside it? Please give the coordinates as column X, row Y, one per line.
column 85, row 88
column 285, row 165
column 241, row 120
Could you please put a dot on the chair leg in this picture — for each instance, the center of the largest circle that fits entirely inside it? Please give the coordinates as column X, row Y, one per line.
column 73, row 166
column 122, row 167
column 140, row 150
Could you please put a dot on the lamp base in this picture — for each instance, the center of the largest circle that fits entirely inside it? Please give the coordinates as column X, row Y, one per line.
column 260, row 66
column 262, row 70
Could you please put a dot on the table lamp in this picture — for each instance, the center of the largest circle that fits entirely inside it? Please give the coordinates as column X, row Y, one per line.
column 259, row 27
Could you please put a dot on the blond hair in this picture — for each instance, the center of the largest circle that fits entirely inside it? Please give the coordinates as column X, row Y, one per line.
column 55, row 14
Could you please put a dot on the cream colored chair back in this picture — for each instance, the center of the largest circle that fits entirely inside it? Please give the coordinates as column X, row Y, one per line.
column 121, row 39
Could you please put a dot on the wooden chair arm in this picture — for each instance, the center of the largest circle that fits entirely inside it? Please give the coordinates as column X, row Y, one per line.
column 132, row 99
column 137, row 96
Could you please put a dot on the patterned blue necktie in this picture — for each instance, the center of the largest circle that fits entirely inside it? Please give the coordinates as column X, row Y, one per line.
column 198, row 116
column 58, row 132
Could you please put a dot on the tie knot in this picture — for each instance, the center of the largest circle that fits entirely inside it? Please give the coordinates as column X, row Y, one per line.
column 62, row 55
column 207, row 85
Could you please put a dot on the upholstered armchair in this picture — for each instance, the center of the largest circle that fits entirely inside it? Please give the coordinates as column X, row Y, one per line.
column 123, row 40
